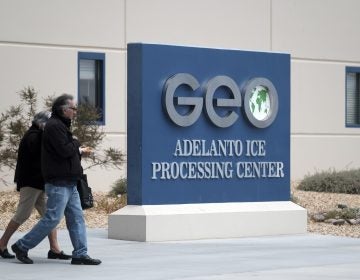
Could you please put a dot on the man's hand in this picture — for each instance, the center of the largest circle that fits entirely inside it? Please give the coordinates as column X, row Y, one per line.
column 86, row 151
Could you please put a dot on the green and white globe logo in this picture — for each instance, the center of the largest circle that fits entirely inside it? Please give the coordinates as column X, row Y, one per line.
column 259, row 103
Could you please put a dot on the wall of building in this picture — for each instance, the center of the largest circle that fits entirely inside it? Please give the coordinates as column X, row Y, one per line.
column 321, row 38
column 40, row 40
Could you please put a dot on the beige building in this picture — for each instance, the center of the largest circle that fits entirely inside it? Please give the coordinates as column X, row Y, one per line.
column 62, row 45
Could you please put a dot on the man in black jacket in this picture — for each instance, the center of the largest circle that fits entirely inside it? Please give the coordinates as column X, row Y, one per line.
column 60, row 158
column 30, row 184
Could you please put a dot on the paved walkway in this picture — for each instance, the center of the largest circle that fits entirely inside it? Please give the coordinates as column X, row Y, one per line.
column 277, row 258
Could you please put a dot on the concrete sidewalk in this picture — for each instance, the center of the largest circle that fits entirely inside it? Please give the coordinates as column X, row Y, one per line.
column 278, row 257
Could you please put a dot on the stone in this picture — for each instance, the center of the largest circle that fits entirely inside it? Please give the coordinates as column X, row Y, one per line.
column 338, row 222
column 352, row 221
column 330, row 221
column 318, row 217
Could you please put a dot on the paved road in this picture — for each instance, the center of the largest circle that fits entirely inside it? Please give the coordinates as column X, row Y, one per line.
column 289, row 257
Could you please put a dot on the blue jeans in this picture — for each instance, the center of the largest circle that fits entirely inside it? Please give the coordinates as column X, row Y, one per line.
column 62, row 200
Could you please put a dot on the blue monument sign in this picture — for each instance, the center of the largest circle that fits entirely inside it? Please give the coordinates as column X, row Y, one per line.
column 207, row 125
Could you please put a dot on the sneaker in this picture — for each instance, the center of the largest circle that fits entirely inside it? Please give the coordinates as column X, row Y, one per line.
column 21, row 255
column 85, row 260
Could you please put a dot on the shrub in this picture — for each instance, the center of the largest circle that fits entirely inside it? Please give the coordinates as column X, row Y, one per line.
column 347, row 214
column 347, row 181
column 119, row 187
column 16, row 120
column 110, row 204
column 294, row 199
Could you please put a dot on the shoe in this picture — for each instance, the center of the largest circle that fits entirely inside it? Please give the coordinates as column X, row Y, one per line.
column 85, row 260
column 21, row 255
column 60, row 256
column 5, row 254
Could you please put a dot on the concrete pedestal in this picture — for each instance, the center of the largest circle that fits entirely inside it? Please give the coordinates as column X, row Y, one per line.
column 206, row 220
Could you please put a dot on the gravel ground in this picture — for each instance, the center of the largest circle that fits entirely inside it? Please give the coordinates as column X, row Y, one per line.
column 97, row 217
column 315, row 202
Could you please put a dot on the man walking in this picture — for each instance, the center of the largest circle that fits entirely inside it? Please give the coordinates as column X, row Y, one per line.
column 61, row 168
column 30, row 184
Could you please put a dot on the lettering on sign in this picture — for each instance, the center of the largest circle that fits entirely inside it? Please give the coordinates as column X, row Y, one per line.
column 233, row 167
column 260, row 101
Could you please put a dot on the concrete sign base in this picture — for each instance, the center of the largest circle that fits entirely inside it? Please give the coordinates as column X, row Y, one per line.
column 206, row 221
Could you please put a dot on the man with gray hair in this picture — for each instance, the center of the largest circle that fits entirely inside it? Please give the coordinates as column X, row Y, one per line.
column 61, row 168
column 30, row 184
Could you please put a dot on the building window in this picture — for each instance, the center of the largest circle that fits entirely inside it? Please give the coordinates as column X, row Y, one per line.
column 91, row 67
column 353, row 96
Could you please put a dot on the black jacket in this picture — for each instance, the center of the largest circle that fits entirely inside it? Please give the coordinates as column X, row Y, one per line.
column 60, row 153
column 28, row 165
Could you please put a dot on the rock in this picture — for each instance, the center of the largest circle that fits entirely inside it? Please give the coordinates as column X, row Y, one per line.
column 330, row 221
column 352, row 221
column 318, row 217
column 339, row 222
